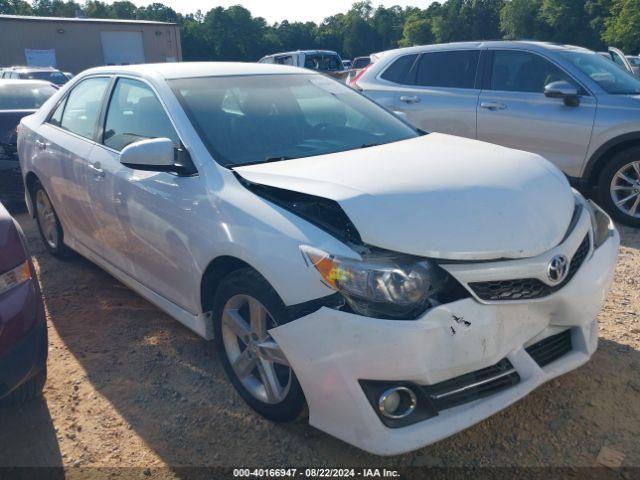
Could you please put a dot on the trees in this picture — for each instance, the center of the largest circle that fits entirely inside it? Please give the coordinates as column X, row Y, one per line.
column 234, row 34
column 623, row 26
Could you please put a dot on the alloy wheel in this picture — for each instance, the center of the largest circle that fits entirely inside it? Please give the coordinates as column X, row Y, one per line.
column 625, row 189
column 254, row 356
column 47, row 219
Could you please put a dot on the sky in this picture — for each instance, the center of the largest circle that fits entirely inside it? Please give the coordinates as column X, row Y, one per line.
column 278, row 10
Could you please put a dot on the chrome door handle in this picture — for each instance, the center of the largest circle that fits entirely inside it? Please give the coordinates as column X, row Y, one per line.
column 493, row 106
column 42, row 145
column 97, row 170
column 410, row 99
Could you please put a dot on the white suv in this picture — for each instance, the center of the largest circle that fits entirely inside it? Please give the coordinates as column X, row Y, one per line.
column 404, row 286
column 578, row 110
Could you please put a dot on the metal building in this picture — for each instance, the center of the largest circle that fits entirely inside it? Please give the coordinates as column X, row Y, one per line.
column 75, row 44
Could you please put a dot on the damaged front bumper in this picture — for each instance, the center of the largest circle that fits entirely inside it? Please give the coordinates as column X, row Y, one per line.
column 332, row 352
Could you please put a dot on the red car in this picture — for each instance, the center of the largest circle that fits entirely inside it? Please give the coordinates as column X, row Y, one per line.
column 23, row 328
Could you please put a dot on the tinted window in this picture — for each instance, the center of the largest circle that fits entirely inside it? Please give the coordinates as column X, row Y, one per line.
column 83, row 106
column 523, row 72
column 286, row 60
column 455, row 69
column 252, row 119
column 323, row 61
column 399, row 70
column 134, row 114
column 24, row 97
column 361, row 62
column 58, row 78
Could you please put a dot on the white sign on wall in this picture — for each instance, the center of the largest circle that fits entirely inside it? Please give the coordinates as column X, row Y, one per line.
column 40, row 58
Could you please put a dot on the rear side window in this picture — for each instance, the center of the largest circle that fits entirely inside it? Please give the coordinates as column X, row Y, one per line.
column 514, row 71
column 398, row 72
column 455, row 69
column 135, row 114
column 82, row 108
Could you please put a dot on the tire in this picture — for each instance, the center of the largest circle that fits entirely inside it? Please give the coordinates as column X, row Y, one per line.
column 286, row 403
column 621, row 162
column 52, row 234
column 28, row 390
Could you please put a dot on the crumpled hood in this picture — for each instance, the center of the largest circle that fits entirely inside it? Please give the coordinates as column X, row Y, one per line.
column 438, row 195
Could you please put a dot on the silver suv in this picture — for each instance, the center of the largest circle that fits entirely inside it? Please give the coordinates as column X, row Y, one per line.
column 566, row 103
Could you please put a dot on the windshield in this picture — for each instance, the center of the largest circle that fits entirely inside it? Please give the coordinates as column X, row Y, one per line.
column 325, row 62
column 24, row 97
column 260, row 118
column 58, row 78
column 607, row 74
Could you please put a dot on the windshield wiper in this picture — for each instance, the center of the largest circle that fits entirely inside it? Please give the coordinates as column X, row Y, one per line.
column 276, row 159
column 367, row 145
column 258, row 162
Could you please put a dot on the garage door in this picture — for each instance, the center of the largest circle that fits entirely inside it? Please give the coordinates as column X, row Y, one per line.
column 122, row 48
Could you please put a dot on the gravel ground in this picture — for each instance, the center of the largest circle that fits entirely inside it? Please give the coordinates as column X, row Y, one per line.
column 129, row 386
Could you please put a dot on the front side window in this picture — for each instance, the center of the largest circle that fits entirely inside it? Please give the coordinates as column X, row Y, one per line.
column 514, row 71
column 24, row 97
column 82, row 107
column 135, row 114
column 605, row 73
column 259, row 118
column 454, row 69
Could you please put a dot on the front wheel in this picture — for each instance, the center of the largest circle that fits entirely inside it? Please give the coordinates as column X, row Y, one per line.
column 245, row 308
column 619, row 187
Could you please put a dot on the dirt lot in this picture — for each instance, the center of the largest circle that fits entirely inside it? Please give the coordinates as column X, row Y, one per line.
column 128, row 386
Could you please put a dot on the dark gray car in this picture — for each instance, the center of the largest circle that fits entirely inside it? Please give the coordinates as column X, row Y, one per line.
column 18, row 98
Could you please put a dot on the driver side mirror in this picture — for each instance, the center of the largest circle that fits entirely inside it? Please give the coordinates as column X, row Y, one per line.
column 154, row 154
column 564, row 90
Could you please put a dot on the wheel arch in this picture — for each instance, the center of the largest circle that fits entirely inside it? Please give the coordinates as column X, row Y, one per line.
column 30, row 181
column 604, row 153
column 213, row 275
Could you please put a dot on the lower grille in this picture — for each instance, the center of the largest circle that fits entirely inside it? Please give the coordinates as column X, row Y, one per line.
column 528, row 288
column 551, row 348
column 472, row 386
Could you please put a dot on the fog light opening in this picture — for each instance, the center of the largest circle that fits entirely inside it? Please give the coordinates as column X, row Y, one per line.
column 397, row 402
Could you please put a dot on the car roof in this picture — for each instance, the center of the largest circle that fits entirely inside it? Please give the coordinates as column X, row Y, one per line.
column 331, row 52
column 198, row 69
column 38, row 83
column 525, row 44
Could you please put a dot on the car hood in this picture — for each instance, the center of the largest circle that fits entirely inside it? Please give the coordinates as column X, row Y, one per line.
column 437, row 195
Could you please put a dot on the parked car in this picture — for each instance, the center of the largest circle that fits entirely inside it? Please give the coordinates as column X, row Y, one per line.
column 23, row 328
column 565, row 103
column 634, row 60
column 405, row 286
column 18, row 98
column 346, row 64
column 325, row 61
column 359, row 63
column 620, row 59
column 47, row 74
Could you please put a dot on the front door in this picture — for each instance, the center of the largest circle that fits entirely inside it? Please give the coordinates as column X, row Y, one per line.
column 145, row 217
column 513, row 110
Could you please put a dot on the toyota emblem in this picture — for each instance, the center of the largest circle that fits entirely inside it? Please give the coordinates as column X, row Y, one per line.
column 558, row 268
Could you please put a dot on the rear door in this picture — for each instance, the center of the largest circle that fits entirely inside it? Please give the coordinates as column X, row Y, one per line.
column 440, row 93
column 514, row 112
column 63, row 146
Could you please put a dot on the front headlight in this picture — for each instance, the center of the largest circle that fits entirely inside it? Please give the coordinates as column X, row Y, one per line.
column 14, row 277
column 600, row 224
column 382, row 284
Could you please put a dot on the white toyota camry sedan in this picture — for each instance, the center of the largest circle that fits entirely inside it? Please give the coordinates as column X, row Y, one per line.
column 402, row 285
